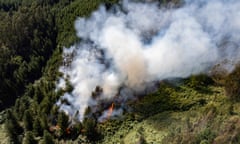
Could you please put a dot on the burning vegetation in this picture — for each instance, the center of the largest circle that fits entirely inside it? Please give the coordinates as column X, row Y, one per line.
column 110, row 111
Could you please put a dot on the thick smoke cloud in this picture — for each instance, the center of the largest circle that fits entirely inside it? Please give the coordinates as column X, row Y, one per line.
column 134, row 44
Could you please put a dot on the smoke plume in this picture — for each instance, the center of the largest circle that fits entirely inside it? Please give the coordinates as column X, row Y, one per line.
column 124, row 49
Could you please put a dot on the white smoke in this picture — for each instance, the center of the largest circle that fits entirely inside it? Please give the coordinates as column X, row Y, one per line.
column 136, row 43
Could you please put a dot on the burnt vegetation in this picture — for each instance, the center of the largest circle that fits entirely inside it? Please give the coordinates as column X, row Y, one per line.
column 32, row 35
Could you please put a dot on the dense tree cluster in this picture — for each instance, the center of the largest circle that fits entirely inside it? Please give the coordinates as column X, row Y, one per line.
column 32, row 35
column 27, row 40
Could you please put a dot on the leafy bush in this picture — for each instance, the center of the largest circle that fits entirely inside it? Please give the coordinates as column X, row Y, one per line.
column 232, row 84
column 206, row 136
column 199, row 81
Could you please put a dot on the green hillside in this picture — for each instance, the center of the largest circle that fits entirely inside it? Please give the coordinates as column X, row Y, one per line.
column 192, row 117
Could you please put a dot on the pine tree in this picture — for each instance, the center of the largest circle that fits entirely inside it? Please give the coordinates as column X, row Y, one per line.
column 62, row 122
column 29, row 138
column 27, row 120
column 43, row 121
column 37, row 128
column 47, row 138
column 13, row 128
column 89, row 125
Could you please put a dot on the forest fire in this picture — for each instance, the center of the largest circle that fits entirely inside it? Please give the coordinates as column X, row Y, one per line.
column 54, row 128
column 68, row 130
column 110, row 110
column 57, row 128
column 119, row 51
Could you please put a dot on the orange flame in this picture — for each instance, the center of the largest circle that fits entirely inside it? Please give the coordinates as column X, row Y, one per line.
column 68, row 130
column 110, row 110
column 54, row 128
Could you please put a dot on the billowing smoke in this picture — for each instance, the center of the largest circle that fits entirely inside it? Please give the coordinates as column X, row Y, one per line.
column 124, row 49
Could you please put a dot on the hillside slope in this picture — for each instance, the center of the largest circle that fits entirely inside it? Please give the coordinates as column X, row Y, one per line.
column 193, row 117
column 172, row 114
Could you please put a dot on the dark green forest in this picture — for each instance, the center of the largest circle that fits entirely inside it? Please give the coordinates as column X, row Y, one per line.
column 32, row 36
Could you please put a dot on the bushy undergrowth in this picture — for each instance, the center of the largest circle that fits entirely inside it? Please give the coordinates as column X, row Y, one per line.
column 232, row 84
column 178, row 114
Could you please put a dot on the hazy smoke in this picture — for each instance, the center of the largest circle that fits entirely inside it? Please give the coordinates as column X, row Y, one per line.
column 134, row 44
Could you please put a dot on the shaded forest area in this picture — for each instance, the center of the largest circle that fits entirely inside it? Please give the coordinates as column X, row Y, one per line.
column 32, row 35
column 30, row 32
